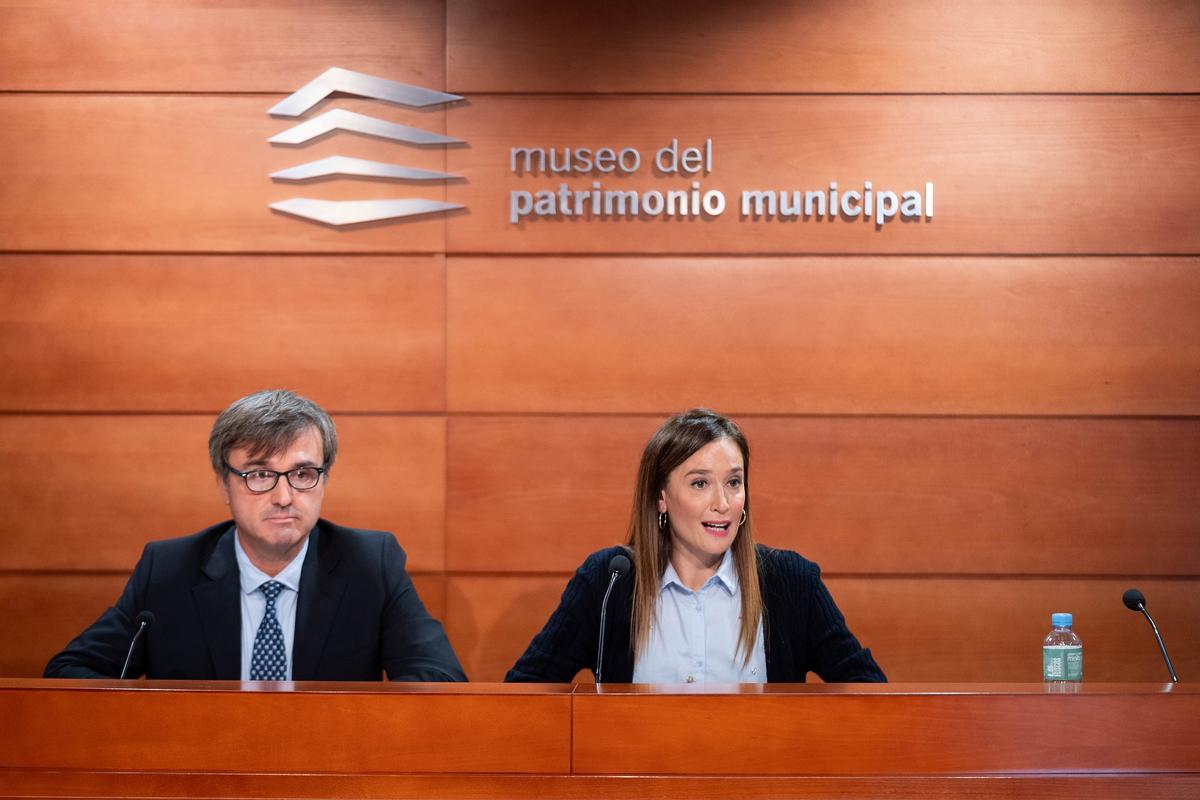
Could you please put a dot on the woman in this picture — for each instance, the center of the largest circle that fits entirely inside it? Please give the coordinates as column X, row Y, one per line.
column 704, row 603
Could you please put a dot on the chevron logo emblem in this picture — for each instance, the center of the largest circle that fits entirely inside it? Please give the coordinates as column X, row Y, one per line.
column 339, row 213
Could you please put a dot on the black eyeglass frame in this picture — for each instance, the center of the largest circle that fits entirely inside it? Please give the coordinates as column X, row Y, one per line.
column 245, row 476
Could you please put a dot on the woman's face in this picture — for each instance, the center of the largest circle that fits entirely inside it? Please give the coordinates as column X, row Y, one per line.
column 704, row 498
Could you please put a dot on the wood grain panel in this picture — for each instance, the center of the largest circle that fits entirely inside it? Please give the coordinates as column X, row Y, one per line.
column 889, row 732
column 390, row 476
column 886, row 496
column 44, row 611
column 190, row 173
column 195, row 46
column 169, row 333
column 392, row 729
column 823, row 736
column 490, row 619
column 919, row 629
column 986, row 629
column 26, row 783
column 87, row 492
column 854, row 335
column 1017, row 496
column 1016, row 174
column 824, row 46
column 537, row 494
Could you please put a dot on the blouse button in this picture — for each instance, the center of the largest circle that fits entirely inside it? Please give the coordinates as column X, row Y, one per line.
column 691, row 678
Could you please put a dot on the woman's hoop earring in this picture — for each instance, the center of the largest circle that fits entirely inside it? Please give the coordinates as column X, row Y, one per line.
column 662, row 520
column 743, row 522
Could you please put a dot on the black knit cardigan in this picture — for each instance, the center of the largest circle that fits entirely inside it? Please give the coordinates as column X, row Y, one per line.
column 805, row 631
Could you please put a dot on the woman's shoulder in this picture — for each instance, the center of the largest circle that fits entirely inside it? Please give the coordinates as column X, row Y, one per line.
column 598, row 562
column 786, row 562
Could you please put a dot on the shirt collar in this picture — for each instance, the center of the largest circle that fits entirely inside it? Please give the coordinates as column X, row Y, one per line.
column 252, row 577
column 726, row 576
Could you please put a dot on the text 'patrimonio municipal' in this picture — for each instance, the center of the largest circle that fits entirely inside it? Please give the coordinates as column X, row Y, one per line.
column 576, row 197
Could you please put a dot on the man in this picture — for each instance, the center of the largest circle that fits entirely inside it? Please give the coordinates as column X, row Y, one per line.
column 277, row 593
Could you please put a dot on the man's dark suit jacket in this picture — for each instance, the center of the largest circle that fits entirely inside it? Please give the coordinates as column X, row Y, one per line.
column 357, row 616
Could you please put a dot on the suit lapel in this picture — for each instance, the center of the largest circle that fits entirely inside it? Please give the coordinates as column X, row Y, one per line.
column 218, row 603
column 321, row 589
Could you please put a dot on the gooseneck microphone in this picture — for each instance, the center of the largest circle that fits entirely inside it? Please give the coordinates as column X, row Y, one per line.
column 618, row 567
column 1136, row 601
column 144, row 620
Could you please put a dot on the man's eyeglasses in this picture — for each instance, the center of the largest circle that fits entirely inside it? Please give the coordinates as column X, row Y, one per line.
column 264, row 480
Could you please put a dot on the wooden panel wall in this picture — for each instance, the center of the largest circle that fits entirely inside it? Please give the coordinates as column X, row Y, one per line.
column 969, row 421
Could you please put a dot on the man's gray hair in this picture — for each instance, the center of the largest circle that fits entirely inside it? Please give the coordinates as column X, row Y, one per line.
column 266, row 423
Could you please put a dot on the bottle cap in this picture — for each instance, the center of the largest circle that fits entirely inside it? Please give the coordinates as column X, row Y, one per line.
column 1061, row 620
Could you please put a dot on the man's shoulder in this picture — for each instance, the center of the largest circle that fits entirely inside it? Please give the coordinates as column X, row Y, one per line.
column 333, row 529
column 359, row 549
column 344, row 537
column 180, row 560
column 197, row 548
column 202, row 541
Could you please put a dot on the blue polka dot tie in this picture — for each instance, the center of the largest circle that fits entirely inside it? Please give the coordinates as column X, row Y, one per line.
column 268, row 662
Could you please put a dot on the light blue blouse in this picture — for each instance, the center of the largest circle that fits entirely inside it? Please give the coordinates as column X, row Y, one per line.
column 693, row 634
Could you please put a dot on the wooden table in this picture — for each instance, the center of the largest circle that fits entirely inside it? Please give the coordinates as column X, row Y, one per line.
column 364, row 740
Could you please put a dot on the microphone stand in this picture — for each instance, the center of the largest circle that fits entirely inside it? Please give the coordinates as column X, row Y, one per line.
column 612, row 581
column 1158, row 637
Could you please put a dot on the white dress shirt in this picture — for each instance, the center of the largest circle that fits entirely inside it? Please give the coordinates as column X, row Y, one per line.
column 254, row 602
column 693, row 634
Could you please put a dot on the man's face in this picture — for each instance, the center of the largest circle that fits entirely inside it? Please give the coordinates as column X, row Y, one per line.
column 273, row 524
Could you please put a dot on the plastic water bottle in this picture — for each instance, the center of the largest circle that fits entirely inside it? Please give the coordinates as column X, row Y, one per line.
column 1062, row 652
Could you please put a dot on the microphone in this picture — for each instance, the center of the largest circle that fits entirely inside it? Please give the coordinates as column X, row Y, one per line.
column 144, row 620
column 1136, row 601
column 618, row 567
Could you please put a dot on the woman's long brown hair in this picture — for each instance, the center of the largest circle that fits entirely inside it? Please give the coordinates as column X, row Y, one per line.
column 671, row 445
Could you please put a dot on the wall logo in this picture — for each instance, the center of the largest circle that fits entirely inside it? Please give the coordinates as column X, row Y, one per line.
column 352, row 212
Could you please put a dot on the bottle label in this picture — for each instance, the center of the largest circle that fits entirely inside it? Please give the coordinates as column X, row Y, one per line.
column 1062, row 662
